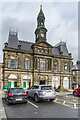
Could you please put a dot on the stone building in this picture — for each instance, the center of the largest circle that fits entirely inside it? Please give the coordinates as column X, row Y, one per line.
column 76, row 75
column 1, row 75
column 27, row 63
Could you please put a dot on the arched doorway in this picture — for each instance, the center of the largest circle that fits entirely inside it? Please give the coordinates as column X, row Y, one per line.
column 42, row 80
column 55, row 82
column 66, row 82
column 12, row 81
column 26, row 81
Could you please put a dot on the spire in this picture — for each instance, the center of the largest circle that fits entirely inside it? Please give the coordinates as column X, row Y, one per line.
column 40, row 32
column 41, row 12
column 40, row 7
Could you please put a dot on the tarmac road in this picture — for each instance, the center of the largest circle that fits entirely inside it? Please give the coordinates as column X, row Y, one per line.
column 65, row 106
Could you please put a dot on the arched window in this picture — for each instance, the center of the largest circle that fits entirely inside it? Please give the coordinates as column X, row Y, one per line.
column 66, row 82
column 27, row 63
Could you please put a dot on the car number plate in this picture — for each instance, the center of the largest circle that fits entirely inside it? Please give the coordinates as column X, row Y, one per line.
column 49, row 91
column 18, row 99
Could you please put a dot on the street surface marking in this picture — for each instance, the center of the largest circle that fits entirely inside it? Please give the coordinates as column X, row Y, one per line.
column 70, row 104
column 33, row 104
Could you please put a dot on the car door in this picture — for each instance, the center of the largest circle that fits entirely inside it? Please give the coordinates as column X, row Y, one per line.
column 30, row 91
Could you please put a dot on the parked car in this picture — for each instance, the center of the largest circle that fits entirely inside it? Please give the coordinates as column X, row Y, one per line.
column 15, row 95
column 41, row 92
column 76, row 92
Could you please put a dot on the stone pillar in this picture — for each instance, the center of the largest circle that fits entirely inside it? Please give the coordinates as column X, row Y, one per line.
column 61, row 82
column 70, row 82
column 19, row 80
column 5, row 82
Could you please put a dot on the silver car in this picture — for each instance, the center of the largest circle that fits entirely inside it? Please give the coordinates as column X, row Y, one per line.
column 41, row 92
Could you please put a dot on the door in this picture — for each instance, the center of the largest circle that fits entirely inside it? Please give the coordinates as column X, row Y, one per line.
column 42, row 82
column 15, row 84
column 24, row 84
column 9, row 84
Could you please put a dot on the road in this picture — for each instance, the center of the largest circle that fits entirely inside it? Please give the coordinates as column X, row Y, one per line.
column 62, row 107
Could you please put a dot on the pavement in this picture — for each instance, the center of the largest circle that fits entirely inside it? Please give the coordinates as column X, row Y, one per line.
column 2, row 110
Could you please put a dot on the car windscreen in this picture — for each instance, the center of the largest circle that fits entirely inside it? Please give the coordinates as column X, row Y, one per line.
column 17, row 91
column 46, row 88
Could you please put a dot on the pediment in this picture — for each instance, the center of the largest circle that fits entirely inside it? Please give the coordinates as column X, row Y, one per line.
column 43, row 43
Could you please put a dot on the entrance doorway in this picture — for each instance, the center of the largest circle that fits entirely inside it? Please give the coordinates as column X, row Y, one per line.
column 24, row 84
column 15, row 84
column 42, row 82
column 12, row 84
column 29, row 84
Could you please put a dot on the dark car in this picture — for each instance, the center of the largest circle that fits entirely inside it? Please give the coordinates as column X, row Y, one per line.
column 15, row 95
column 76, row 92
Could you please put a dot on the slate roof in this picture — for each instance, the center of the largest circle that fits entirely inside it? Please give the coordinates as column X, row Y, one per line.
column 26, row 45
column 62, row 48
column 13, row 42
column 76, row 67
column 55, row 51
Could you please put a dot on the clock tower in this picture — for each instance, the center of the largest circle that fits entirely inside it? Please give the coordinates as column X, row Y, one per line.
column 40, row 32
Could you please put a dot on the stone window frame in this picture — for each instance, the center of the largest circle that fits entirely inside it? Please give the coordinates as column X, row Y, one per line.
column 65, row 66
column 55, row 65
column 42, row 64
column 13, row 65
column 27, row 62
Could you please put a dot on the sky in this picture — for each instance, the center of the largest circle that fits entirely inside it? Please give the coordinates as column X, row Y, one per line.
column 61, row 21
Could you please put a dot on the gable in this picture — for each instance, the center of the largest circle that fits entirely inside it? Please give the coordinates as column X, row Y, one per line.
column 43, row 44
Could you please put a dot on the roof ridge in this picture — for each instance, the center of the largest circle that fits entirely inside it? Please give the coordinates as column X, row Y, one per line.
column 26, row 41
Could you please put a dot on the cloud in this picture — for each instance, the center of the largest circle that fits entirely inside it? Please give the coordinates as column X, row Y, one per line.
column 61, row 22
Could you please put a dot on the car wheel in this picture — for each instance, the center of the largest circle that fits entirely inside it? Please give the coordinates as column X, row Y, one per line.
column 51, row 99
column 25, row 102
column 75, row 94
column 7, row 102
column 36, row 98
column 27, row 95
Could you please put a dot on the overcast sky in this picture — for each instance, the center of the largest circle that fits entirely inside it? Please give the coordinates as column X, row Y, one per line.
column 61, row 21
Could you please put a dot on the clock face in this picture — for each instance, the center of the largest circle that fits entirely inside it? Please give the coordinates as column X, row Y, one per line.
column 42, row 35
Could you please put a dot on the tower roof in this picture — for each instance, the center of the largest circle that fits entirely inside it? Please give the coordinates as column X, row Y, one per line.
column 41, row 14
